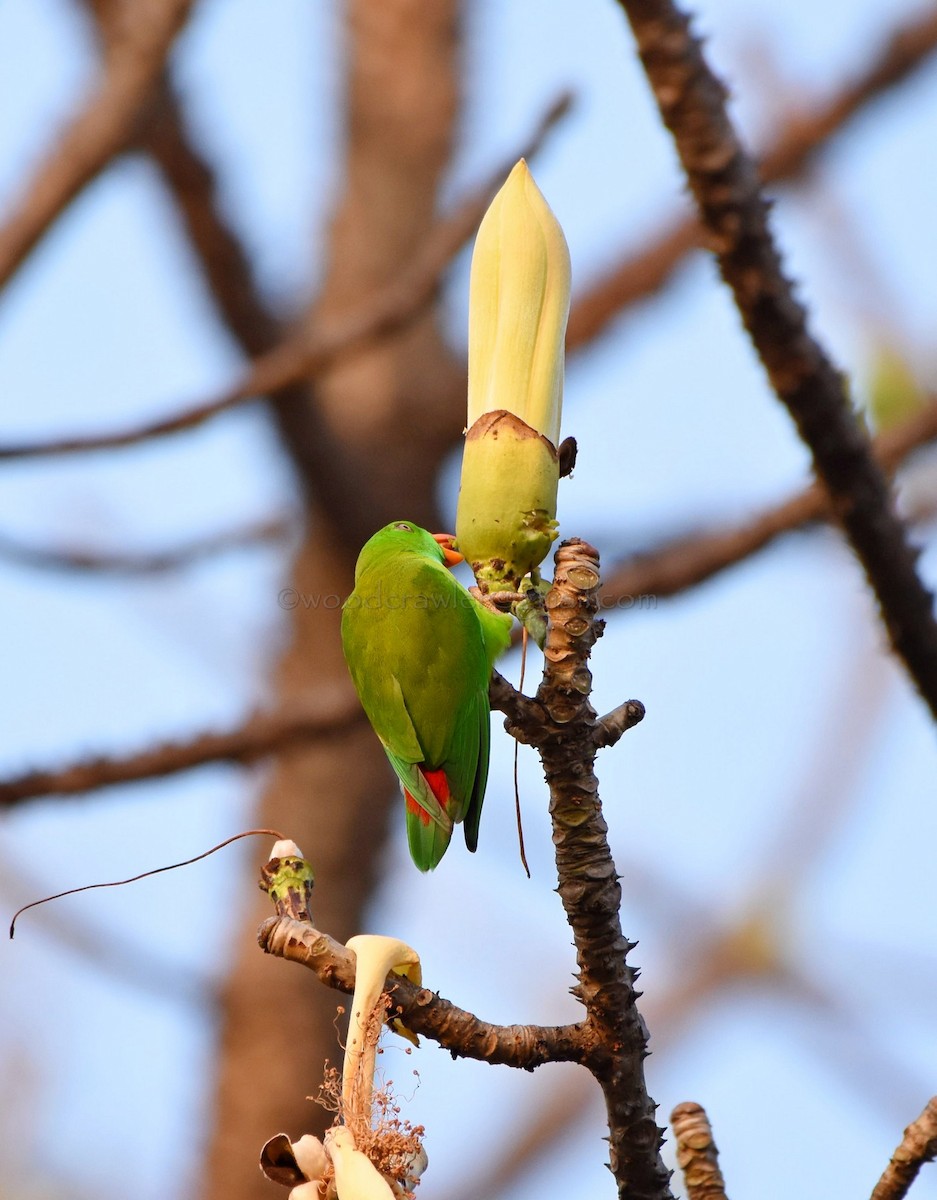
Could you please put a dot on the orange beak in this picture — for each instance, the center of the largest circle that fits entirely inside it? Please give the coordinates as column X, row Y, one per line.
column 451, row 556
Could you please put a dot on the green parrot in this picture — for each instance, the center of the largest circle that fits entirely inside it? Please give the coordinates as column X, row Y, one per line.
column 421, row 650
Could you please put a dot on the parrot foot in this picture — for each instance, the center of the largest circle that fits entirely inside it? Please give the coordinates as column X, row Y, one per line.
column 499, row 602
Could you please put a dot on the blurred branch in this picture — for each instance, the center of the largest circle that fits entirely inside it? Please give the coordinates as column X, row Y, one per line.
column 790, row 150
column 423, row 1011
column 725, row 185
column 685, row 562
column 127, row 562
column 697, row 1155
column 302, row 354
column 100, row 130
column 282, row 365
column 193, row 185
column 918, row 1146
column 259, row 737
column 852, row 1044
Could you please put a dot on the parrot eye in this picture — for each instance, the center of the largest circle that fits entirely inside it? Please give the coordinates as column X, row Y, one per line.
column 404, row 526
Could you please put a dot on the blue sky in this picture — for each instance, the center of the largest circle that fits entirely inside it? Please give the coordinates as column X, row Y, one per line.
column 763, row 687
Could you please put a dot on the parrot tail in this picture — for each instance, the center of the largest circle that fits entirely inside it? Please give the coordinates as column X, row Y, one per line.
column 427, row 838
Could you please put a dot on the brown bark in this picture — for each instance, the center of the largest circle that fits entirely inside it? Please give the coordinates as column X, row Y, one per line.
column 697, row 1155
column 386, row 415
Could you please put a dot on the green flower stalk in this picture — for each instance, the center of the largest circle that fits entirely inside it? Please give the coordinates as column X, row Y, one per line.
column 518, row 307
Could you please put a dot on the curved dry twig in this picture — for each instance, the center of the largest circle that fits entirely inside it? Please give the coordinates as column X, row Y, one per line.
column 726, row 188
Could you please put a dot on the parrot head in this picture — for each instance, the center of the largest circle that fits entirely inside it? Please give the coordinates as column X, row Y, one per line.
column 405, row 537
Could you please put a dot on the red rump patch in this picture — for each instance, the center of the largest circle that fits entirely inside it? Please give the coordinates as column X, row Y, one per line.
column 438, row 785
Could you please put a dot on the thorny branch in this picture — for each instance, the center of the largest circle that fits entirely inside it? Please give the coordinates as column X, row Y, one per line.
column 588, row 881
column 261, row 736
column 612, row 1041
column 726, row 188
column 103, row 127
column 791, row 149
column 423, row 1011
column 918, row 1146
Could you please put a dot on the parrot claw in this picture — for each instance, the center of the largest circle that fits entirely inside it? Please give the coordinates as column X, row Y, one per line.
column 499, row 602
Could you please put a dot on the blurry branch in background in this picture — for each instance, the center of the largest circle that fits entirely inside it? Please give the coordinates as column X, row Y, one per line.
column 259, row 737
column 844, row 1036
column 280, row 366
column 192, row 183
column 790, row 150
column 157, row 562
column 687, row 561
column 725, row 185
column 303, row 354
column 697, row 1156
column 918, row 1146
column 100, row 130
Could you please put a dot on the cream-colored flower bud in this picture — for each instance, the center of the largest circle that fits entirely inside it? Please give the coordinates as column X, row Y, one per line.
column 518, row 307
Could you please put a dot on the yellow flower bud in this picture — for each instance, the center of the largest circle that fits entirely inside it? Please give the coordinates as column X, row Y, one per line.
column 518, row 307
